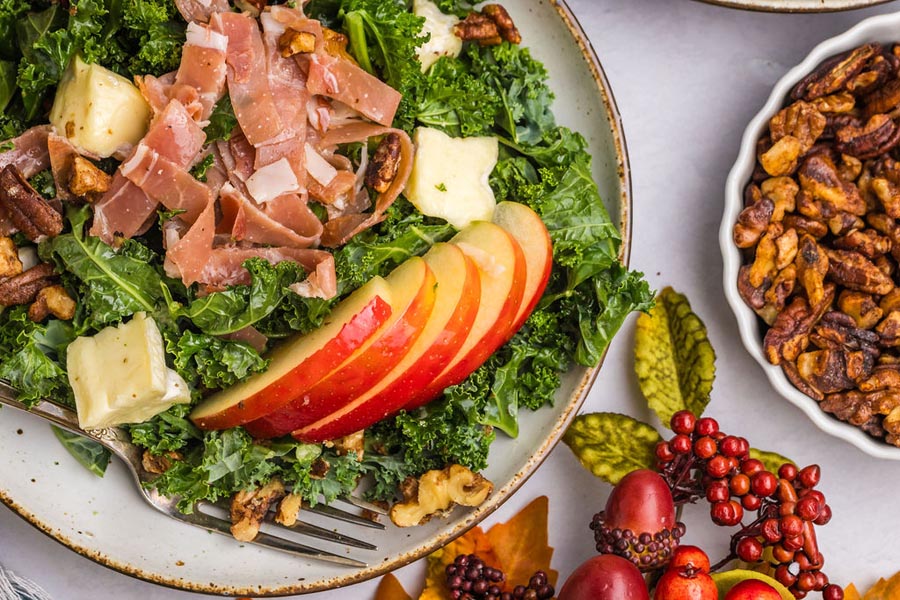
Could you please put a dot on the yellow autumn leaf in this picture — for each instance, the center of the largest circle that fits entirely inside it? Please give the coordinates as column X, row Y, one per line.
column 390, row 588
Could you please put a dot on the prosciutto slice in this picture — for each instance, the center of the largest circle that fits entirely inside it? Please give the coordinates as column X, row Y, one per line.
column 247, row 222
column 166, row 182
column 126, row 210
column 201, row 10
column 28, row 152
column 338, row 78
column 340, row 229
column 247, row 74
column 62, row 156
column 200, row 81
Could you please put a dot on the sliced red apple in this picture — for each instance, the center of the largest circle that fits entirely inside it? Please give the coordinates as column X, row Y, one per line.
column 501, row 268
column 526, row 226
column 298, row 364
column 413, row 294
column 455, row 309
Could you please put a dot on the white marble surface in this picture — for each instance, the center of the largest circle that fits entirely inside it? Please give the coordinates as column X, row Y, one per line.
column 687, row 77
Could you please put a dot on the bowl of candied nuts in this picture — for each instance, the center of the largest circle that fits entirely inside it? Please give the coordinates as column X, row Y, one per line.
column 811, row 236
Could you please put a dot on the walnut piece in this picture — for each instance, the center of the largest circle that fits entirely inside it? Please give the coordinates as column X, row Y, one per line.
column 438, row 491
column 383, row 167
column 289, row 510
column 249, row 507
column 293, row 42
column 801, row 120
column 9, row 258
column 856, row 272
column 861, row 307
column 52, row 300
column 87, row 180
column 781, row 158
column 158, row 464
column 489, row 27
column 505, row 25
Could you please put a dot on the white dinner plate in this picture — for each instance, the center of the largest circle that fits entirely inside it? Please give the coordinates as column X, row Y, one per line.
column 796, row 6
column 104, row 520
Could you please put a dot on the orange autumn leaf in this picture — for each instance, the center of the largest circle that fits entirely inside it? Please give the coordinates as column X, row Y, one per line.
column 518, row 547
column 884, row 589
column 521, row 545
column 390, row 588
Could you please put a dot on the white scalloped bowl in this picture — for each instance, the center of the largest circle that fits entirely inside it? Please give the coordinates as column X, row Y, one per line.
column 882, row 28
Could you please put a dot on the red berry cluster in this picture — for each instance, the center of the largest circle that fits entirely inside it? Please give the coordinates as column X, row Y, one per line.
column 468, row 578
column 701, row 461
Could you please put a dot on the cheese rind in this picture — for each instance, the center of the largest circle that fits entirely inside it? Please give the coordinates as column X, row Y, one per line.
column 120, row 375
column 99, row 111
column 443, row 42
column 449, row 177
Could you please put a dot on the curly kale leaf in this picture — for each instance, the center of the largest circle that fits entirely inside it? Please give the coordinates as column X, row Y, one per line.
column 32, row 355
column 211, row 362
column 458, row 102
column 221, row 122
column 111, row 284
column 166, row 432
column 89, row 454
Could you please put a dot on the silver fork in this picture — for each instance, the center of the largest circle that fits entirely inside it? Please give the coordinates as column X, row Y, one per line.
column 118, row 442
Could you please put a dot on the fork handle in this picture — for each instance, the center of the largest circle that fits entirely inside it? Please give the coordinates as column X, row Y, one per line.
column 112, row 438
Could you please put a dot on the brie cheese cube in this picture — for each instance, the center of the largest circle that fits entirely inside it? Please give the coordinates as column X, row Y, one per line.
column 99, row 111
column 449, row 177
column 120, row 375
column 443, row 42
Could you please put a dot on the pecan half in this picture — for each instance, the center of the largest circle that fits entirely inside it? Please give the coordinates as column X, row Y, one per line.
column 865, row 241
column 505, row 25
column 383, row 167
column 877, row 136
column 841, row 102
column 854, row 271
column 480, row 28
column 833, row 74
column 883, row 100
column 28, row 210
column 24, row 287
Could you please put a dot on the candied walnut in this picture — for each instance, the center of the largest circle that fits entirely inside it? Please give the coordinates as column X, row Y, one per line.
column 843, row 223
column 438, row 491
column 881, row 223
column 480, row 28
column 865, row 82
column 789, row 334
column 877, row 136
column 812, row 267
column 790, row 371
column 867, row 242
column 800, row 120
column 888, row 195
column 786, row 248
column 385, row 163
column 249, row 507
column 293, row 42
column 889, row 329
column 839, row 330
column 9, row 258
column 24, row 287
column 763, row 266
column 157, row 464
column 782, row 191
column 781, row 158
column 776, row 296
column 52, row 300
column 825, row 370
column 351, row 444
column 508, row 30
column 755, row 297
column 842, row 102
column 834, row 74
column 752, row 222
column 88, row 181
column 890, row 301
column 28, row 210
column 861, row 307
column 883, row 100
column 819, row 178
column 858, row 408
column 885, row 264
column 850, row 168
column 289, row 510
column 336, row 44
column 804, row 225
column 855, row 271
column 319, row 469
column 883, row 377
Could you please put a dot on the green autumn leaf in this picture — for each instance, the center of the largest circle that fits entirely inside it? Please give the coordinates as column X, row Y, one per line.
column 772, row 460
column 673, row 359
column 611, row 445
column 728, row 579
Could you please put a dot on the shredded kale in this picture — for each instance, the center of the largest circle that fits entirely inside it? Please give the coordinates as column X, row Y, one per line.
column 31, row 355
column 212, row 363
column 221, row 122
column 169, row 431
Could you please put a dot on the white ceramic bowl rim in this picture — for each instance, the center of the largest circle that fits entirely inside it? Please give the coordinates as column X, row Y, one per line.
column 796, row 6
column 882, row 28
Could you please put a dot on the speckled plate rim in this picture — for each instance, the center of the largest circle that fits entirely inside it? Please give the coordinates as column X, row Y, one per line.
column 796, row 6
column 748, row 323
column 501, row 494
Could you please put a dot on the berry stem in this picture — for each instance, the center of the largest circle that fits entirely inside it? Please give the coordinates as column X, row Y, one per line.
column 731, row 556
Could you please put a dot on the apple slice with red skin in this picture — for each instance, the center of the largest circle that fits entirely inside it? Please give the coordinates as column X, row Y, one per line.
column 413, row 293
column 455, row 309
column 298, row 364
column 501, row 268
column 527, row 228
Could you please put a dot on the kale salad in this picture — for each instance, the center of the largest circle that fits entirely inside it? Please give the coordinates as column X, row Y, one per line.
column 496, row 90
